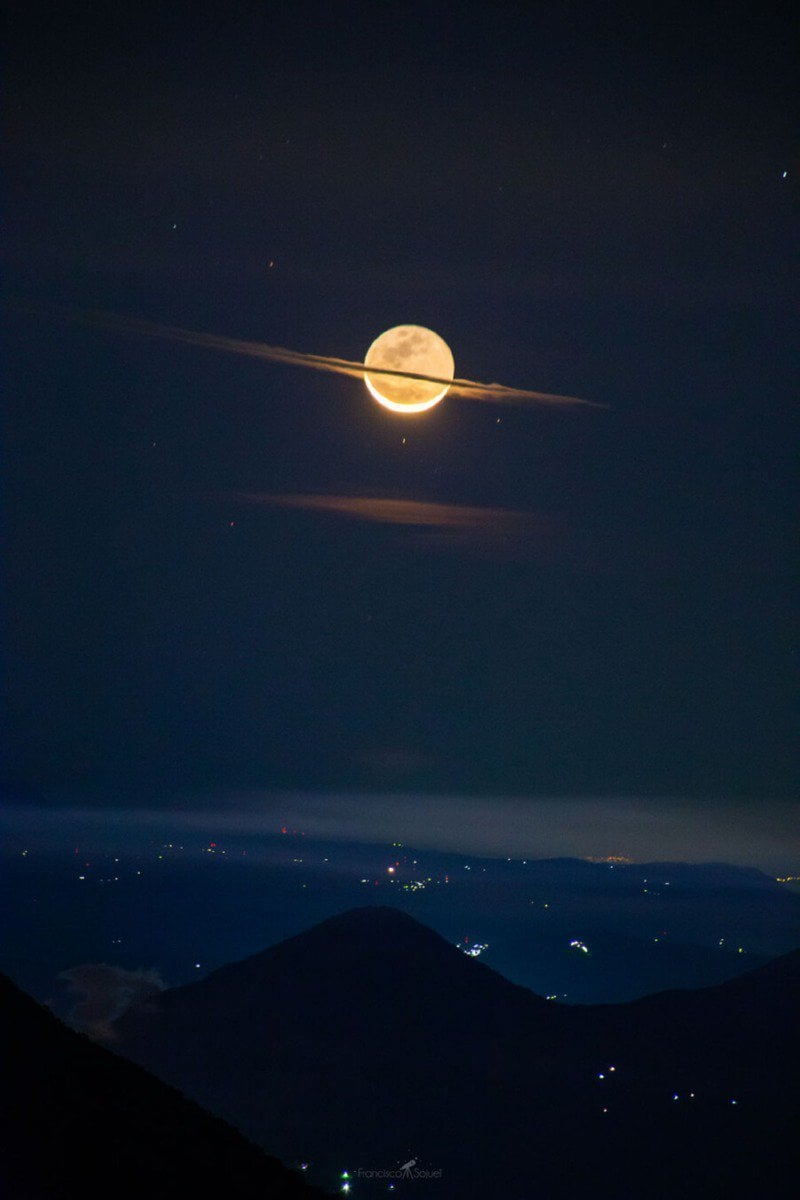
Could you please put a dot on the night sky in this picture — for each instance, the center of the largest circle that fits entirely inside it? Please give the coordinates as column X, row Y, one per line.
column 572, row 602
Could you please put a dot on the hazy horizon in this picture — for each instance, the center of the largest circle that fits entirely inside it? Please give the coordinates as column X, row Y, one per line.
column 742, row 833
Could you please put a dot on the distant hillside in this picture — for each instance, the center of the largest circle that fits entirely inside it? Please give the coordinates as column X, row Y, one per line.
column 78, row 1121
column 370, row 1040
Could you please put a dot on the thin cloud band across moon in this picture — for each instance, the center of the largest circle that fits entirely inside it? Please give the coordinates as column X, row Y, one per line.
column 408, row 369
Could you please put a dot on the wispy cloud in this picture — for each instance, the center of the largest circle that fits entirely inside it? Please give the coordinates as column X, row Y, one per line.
column 103, row 993
column 494, row 532
column 469, row 388
column 754, row 832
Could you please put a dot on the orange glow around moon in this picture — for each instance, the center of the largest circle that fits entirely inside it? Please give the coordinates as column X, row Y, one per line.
column 409, row 348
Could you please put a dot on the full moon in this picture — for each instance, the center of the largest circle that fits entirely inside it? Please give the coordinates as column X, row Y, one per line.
column 409, row 348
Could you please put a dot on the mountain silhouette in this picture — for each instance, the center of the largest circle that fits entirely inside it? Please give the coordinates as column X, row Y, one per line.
column 80, row 1121
column 369, row 1040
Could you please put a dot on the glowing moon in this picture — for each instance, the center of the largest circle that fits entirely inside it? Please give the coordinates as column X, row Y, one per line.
column 409, row 348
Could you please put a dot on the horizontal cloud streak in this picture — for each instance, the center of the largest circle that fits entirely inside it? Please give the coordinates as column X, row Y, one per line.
column 758, row 832
column 493, row 532
column 393, row 512
column 468, row 388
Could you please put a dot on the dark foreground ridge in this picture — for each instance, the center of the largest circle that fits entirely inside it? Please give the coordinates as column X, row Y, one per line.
column 80, row 1121
column 370, row 1040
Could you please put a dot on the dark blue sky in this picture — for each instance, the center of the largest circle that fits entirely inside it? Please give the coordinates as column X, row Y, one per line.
column 579, row 200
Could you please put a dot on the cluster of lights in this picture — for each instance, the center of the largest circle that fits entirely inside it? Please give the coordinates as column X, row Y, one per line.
column 475, row 950
column 721, row 942
column 576, row 945
column 392, row 871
